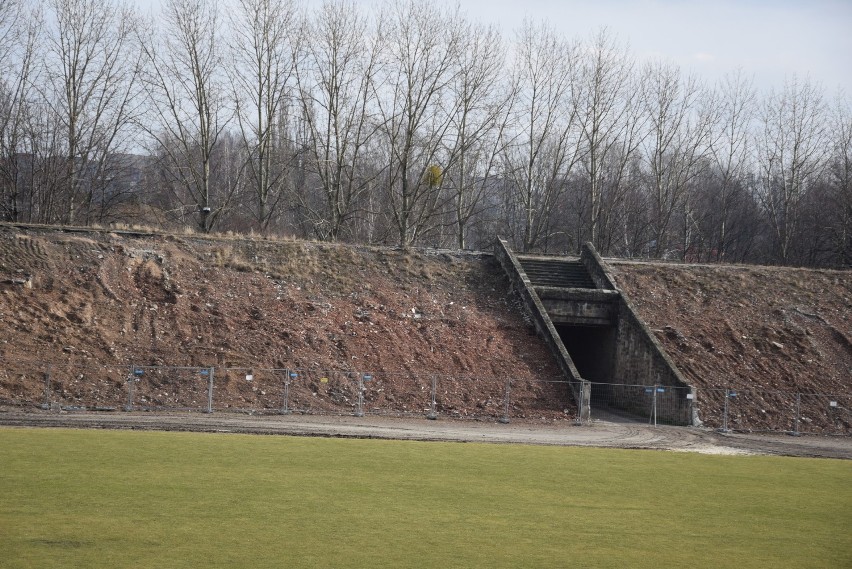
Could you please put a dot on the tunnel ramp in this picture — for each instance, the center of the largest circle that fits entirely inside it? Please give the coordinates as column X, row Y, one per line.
column 591, row 327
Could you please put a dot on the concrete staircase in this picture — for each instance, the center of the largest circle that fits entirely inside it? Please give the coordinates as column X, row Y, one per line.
column 568, row 292
column 574, row 300
column 559, row 273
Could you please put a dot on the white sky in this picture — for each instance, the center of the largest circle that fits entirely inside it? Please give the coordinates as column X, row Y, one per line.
column 768, row 39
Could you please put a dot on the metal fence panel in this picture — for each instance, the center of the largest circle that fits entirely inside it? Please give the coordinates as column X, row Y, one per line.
column 749, row 410
column 399, row 395
column 87, row 388
column 656, row 403
column 94, row 387
column 483, row 398
column 154, row 388
column 63, row 386
column 542, row 399
column 320, row 392
column 250, row 390
column 24, row 385
column 775, row 411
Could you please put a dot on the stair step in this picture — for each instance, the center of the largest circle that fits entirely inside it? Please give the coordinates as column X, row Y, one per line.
column 557, row 273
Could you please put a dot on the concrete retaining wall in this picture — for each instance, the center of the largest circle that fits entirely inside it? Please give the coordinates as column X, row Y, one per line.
column 542, row 321
column 640, row 359
column 544, row 326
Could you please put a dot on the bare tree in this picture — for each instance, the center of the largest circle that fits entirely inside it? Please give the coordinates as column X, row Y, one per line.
column 423, row 42
column 478, row 124
column 678, row 132
column 10, row 29
column 606, row 97
column 729, row 150
column 336, row 87
column 543, row 146
column 92, row 67
column 838, row 211
column 187, row 91
column 265, row 38
column 790, row 147
column 20, row 31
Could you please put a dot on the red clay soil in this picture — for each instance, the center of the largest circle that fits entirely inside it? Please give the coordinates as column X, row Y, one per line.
column 91, row 304
column 766, row 332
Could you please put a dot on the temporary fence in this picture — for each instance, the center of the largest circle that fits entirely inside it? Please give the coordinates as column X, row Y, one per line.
column 87, row 386
column 659, row 404
column 776, row 411
column 254, row 390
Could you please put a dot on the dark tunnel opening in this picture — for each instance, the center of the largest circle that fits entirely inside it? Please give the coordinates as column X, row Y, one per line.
column 593, row 351
column 592, row 348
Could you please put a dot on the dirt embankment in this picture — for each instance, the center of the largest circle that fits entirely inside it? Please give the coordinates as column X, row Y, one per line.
column 79, row 308
column 81, row 301
column 766, row 332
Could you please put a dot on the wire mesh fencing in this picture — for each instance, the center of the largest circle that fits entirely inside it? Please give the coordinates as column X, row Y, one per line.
column 820, row 413
column 87, row 386
column 25, row 385
column 755, row 410
column 63, row 387
column 659, row 404
column 84, row 386
column 153, row 388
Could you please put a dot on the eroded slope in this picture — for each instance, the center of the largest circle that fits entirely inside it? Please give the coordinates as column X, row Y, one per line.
column 95, row 299
column 768, row 330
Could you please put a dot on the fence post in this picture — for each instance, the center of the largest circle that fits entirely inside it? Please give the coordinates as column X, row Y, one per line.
column 798, row 413
column 725, row 413
column 286, row 409
column 46, row 404
column 694, row 419
column 585, row 403
column 505, row 418
column 433, row 414
column 131, row 382
column 210, row 372
column 653, row 407
column 359, row 411
column 578, row 397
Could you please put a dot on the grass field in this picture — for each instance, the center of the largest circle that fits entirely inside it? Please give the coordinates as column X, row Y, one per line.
column 144, row 499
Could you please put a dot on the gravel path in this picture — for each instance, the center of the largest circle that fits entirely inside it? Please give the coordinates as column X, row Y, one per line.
column 601, row 433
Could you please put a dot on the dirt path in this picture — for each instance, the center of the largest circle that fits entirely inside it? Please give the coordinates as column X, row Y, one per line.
column 599, row 434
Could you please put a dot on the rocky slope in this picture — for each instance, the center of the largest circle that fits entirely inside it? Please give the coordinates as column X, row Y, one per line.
column 92, row 303
column 79, row 310
column 764, row 332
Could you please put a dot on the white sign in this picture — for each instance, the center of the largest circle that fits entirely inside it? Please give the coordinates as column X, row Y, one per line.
column 689, row 395
column 833, row 403
column 249, row 377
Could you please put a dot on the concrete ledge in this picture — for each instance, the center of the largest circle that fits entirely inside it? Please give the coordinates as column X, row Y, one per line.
column 596, row 267
column 641, row 357
column 579, row 294
column 544, row 326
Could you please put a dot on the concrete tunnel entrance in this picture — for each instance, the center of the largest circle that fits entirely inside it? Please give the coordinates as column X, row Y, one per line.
column 575, row 303
column 593, row 350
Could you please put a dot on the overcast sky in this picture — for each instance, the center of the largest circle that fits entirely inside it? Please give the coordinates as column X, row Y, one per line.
column 769, row 39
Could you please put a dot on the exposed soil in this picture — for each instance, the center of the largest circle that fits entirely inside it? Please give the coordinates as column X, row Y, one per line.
column 763, row 332
column 90, row 304
column 78, row 309
column 628, row 435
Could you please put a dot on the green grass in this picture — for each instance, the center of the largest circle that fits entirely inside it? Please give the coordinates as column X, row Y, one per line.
column 139, row 499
